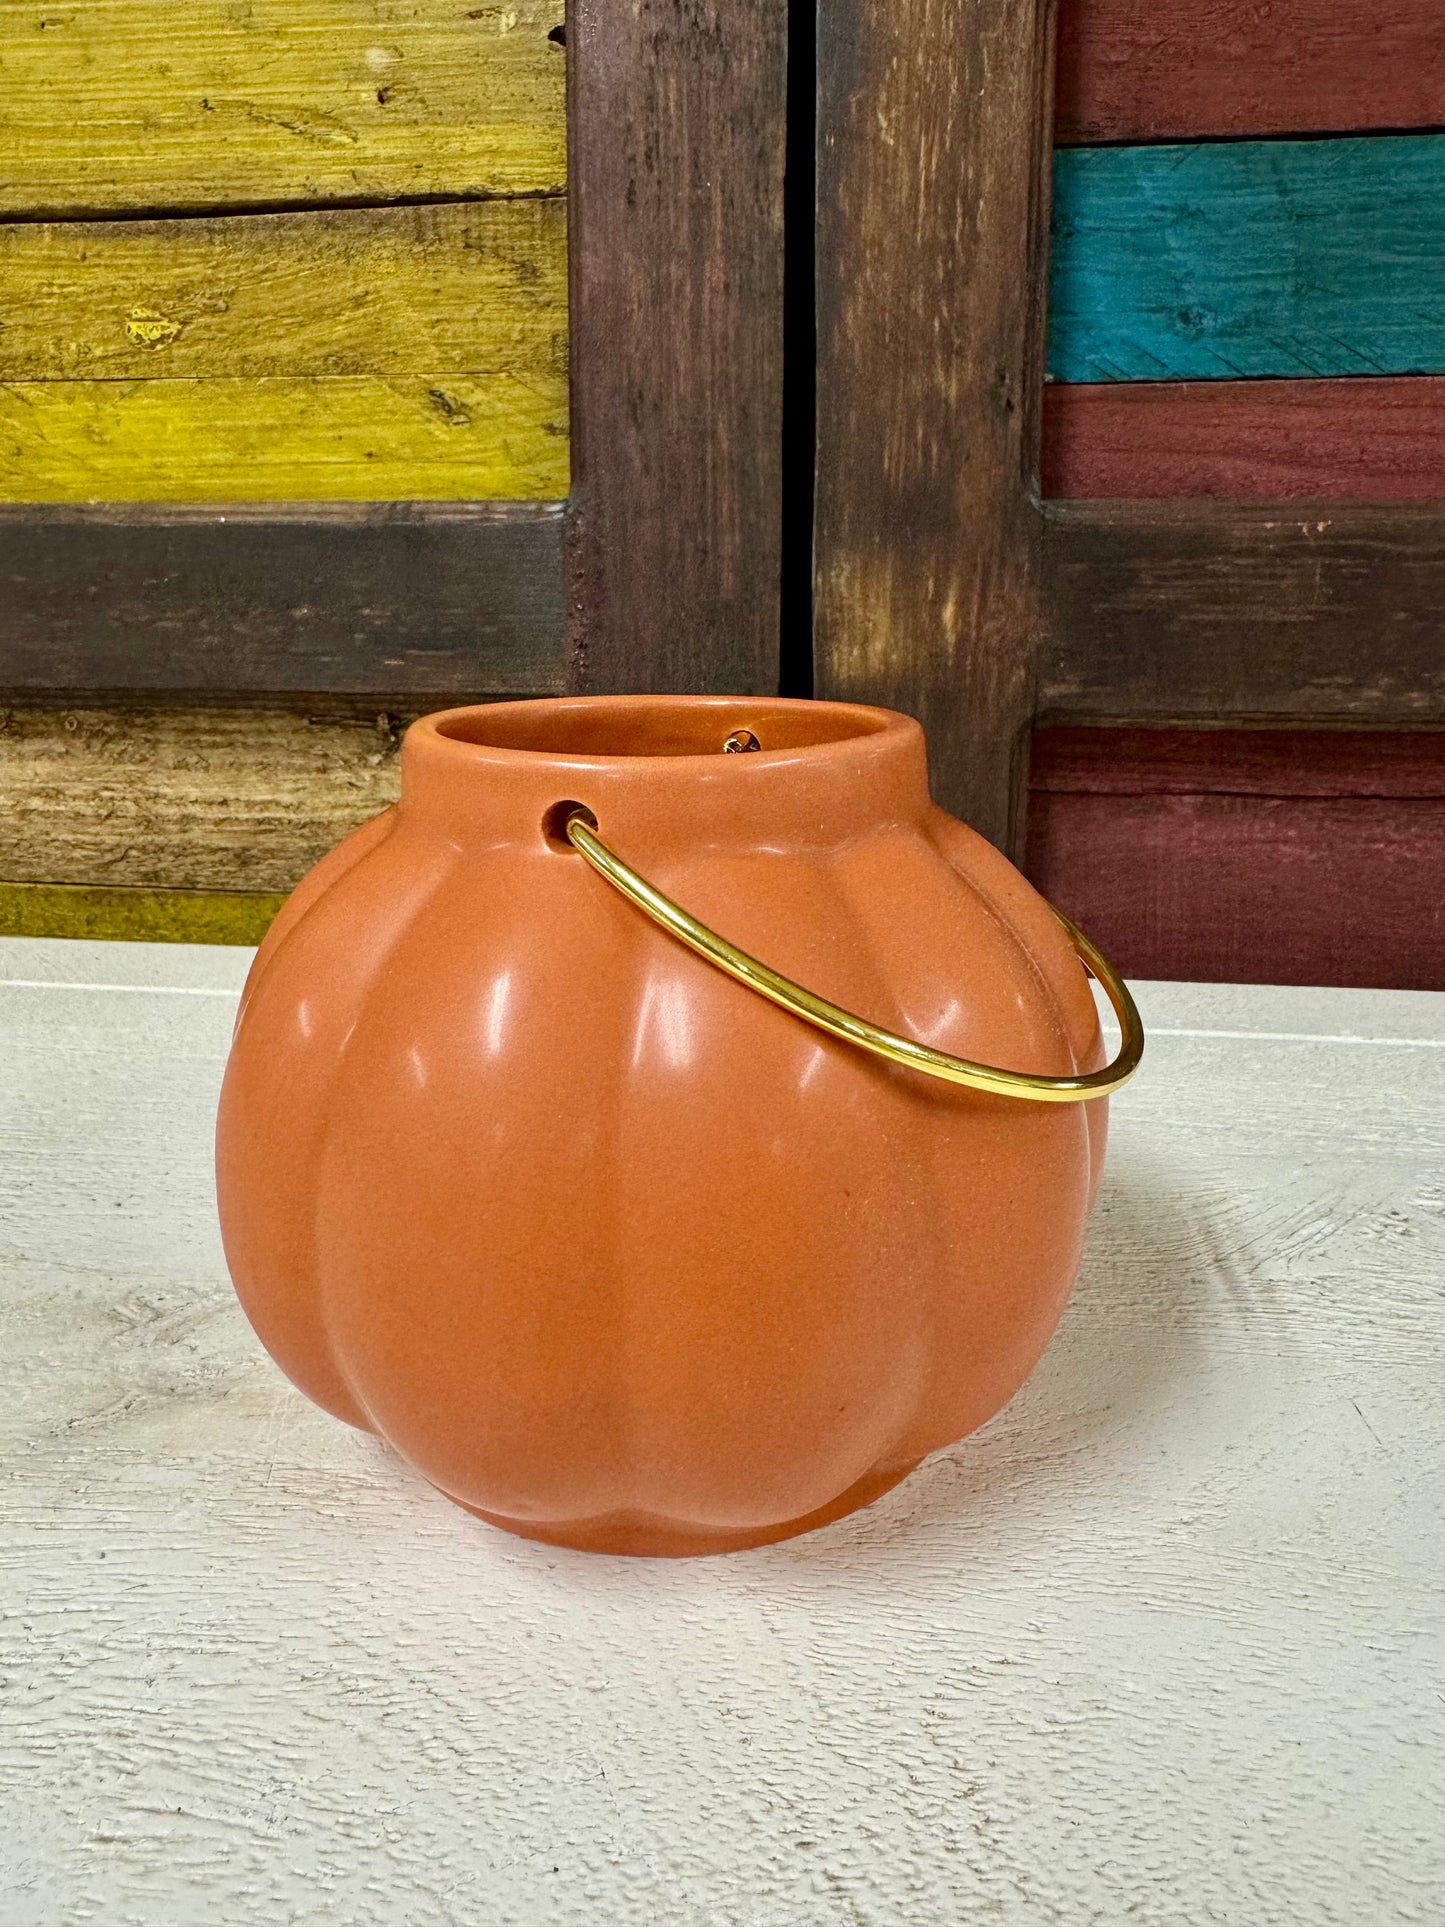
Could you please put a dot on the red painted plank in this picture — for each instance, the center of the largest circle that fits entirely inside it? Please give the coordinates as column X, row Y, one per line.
column 1346, row 440
column 1239, row 762
column 1230, row 860
column 1151, row 70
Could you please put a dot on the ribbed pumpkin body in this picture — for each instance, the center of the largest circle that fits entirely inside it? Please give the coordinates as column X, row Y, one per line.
column 615, row 1252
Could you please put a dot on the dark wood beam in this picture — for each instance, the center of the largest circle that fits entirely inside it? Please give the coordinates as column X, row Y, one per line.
column 1223, row 611
column 933, row 150
column 341, row 598
column 676, row 113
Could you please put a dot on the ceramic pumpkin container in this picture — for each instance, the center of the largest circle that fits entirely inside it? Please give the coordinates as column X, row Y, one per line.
column 618, row 1253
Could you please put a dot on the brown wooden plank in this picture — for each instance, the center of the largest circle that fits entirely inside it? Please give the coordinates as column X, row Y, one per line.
column 432, row 599
column 199, row 799
column 120, row 106
column 1183, row 611
column 1358, row 440
column 676, row 165
column 1234, row 882
column 1149, row 70
column 932, row 190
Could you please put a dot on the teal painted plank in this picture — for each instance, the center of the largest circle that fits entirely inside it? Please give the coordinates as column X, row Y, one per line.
column 1205, row 263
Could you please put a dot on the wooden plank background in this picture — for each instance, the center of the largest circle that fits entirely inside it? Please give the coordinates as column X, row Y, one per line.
column 299, row 438
column 1152, row 70
column 1247, row 856
column 1377, row 440
column 211, row 799
column 180, row 824
column 128, row 915
column 351, row 349
column 1249, row 258
column 442, row 599
column 455, row 288
column 675, row 525
column 1247, row 335
column 140, row 106
column 1189, row 611
column 382, row 354
column 263, row 254
column 933, row 148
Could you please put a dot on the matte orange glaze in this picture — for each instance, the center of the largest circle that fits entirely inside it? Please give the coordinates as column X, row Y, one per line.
column 616, row 1253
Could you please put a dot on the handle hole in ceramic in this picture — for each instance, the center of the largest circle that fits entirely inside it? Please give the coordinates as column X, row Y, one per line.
column 554, row 825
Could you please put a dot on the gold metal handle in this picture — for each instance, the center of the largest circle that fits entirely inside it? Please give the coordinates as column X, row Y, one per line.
column 582, row 834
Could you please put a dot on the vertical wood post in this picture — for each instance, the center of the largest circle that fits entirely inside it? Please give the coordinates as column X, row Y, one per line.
column 934, row 139
column 675, row 195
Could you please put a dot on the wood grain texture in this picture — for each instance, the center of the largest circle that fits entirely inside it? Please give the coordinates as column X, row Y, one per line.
column 1154, row 70
column 474, row 289
column 303, row 438
column 1251, row 856
column 95, row 914
column 932, row 219
column 218, row 799
column 1329, row 763
column 1138, row 1645
column 1228, row 889
column 1214, row 611
column 165, row 105
column 1249, row 258
column 393, row 354
column 1363, row 440
column 442, row 601
column 677, row 118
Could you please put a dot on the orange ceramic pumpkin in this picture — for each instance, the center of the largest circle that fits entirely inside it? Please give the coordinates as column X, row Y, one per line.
column 616, row 1253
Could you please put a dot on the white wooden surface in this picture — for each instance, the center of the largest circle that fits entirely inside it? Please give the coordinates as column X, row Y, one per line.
column 1161, row 1645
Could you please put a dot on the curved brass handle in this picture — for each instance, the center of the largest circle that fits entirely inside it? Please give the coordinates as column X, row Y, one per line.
column 582, row 834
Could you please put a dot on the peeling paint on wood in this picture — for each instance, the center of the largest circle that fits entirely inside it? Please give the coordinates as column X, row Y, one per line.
column 114, row 106
column 1248, row 258
column 182, row 826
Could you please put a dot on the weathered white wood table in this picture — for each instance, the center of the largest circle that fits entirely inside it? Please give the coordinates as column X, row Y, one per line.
column 1161, row 1645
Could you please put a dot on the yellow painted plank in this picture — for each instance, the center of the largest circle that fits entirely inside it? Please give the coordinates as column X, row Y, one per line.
column 194, row 799
column 329, row 438
column 458, row 289
column 135, row 916
column 152, row 105
column 367, row 355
